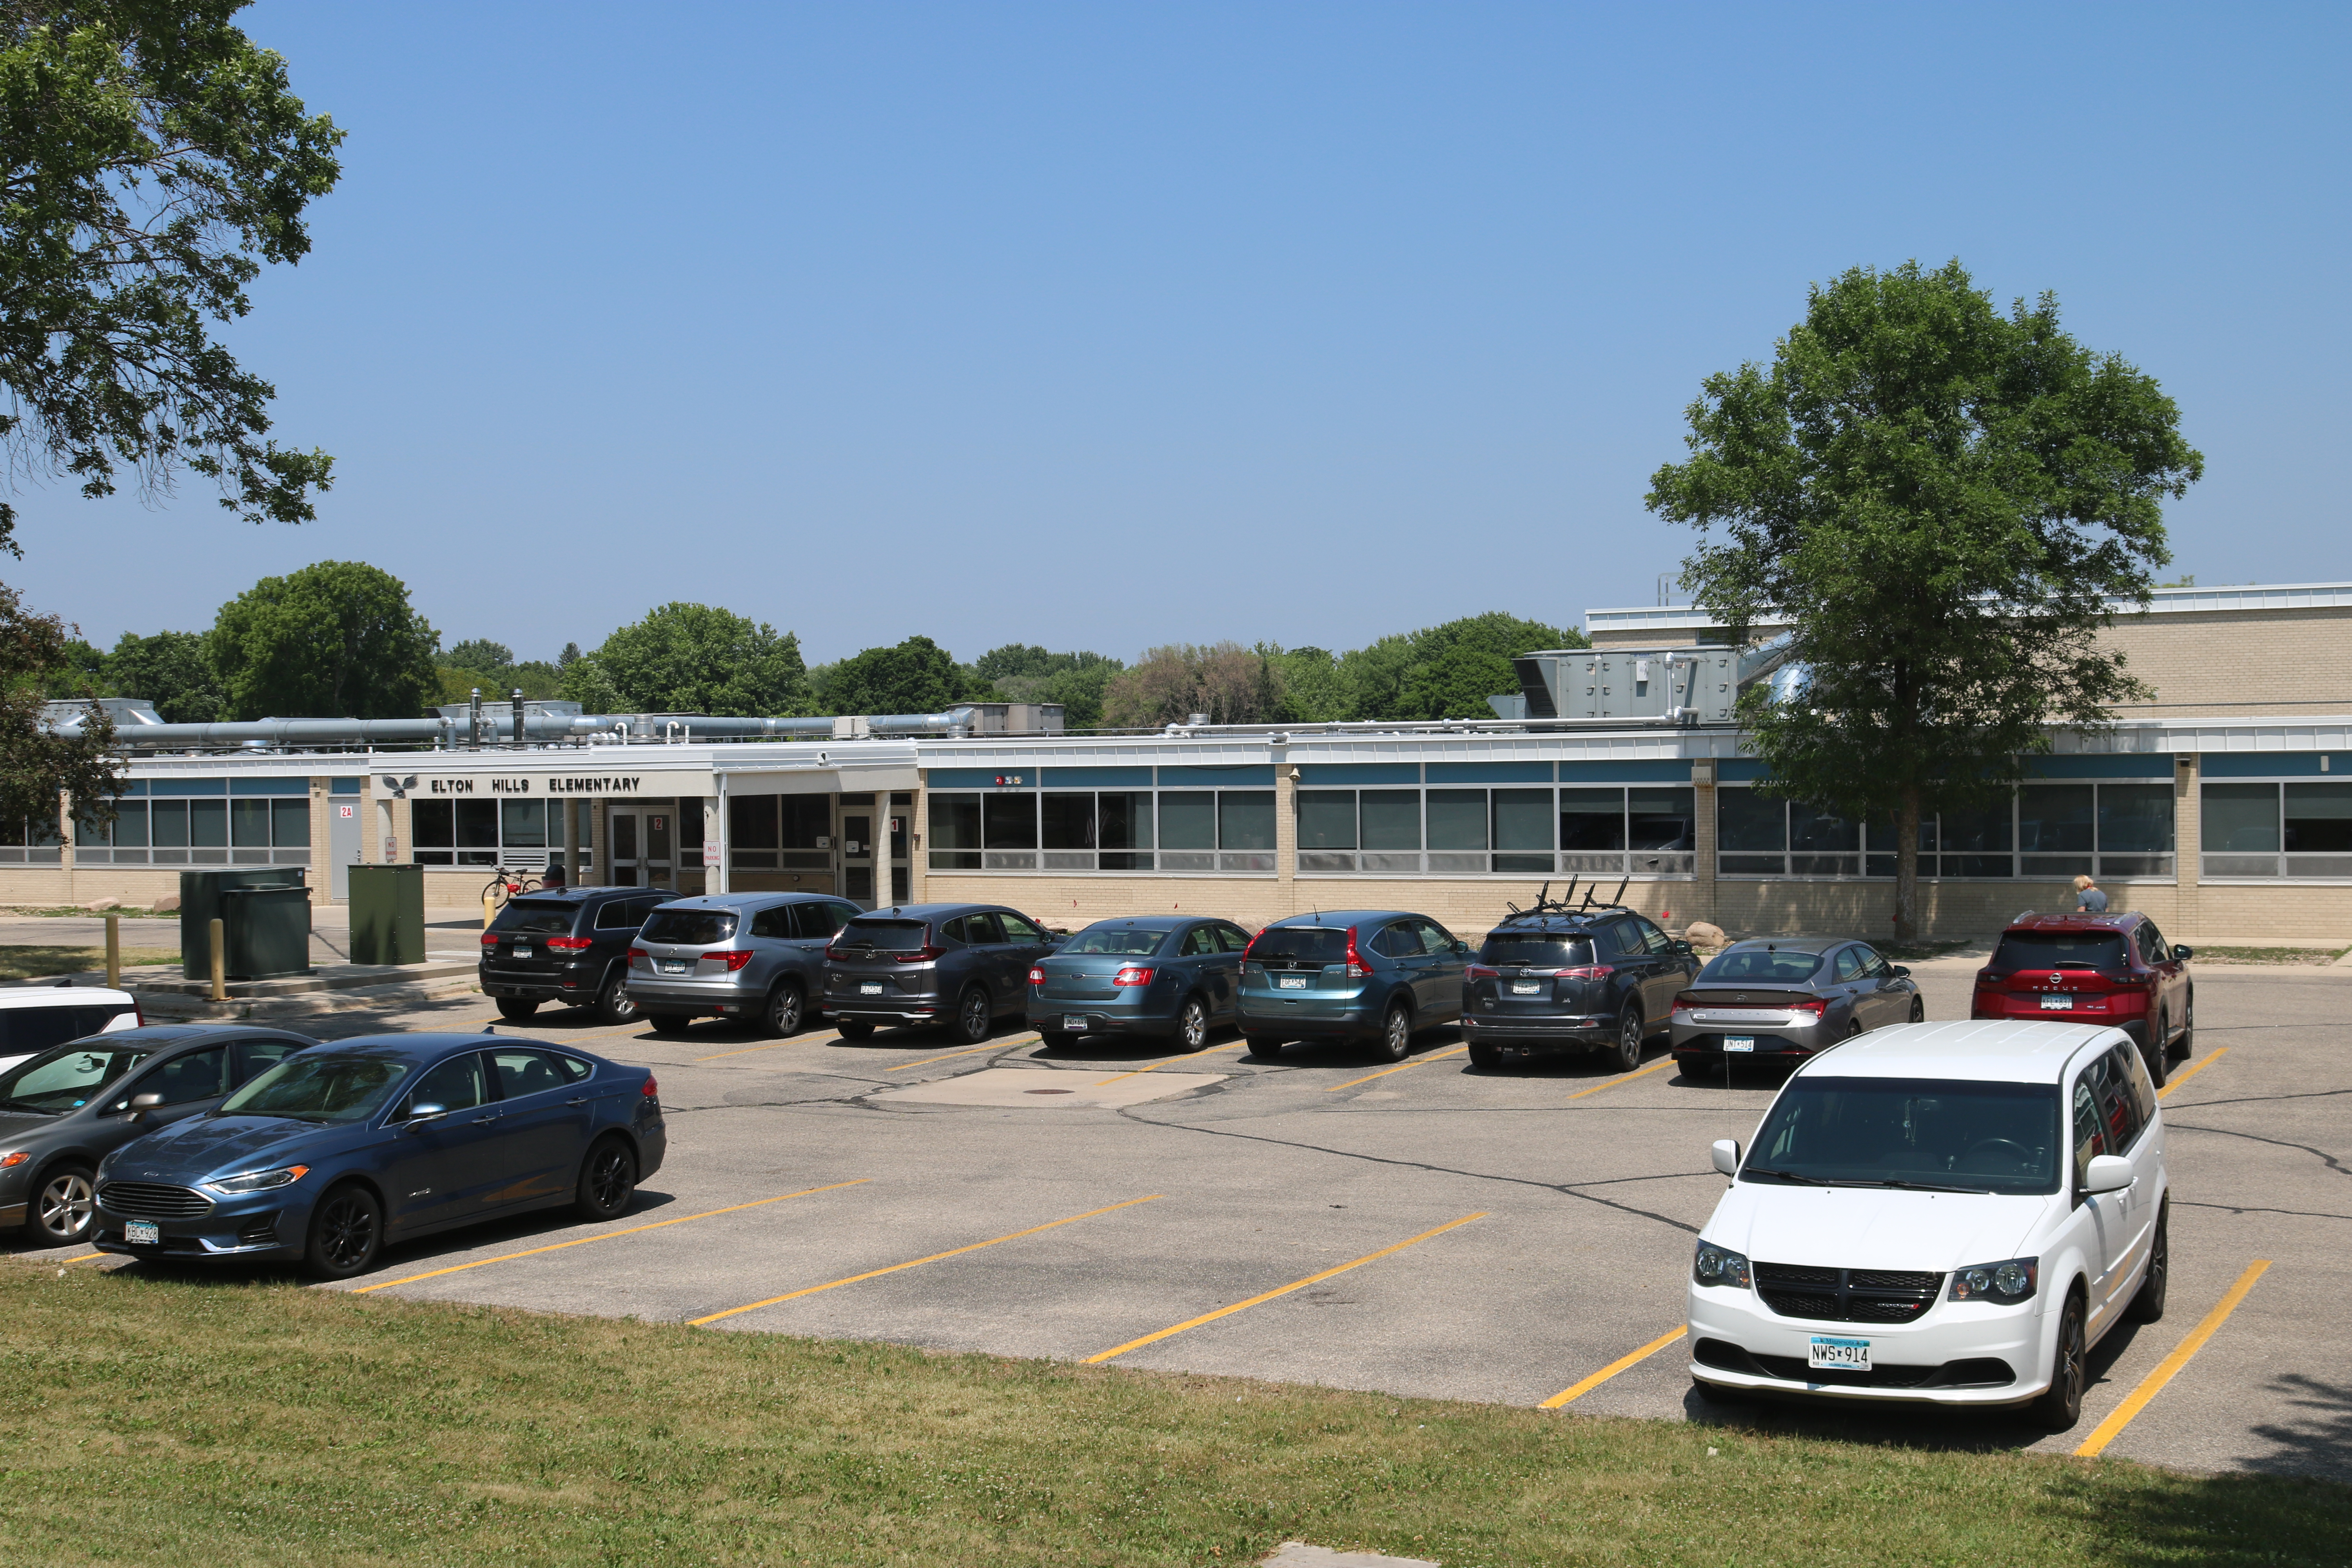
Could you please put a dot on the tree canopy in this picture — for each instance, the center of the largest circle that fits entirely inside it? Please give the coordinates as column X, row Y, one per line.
column 692, row 658
column 917, row 676
column 171, row 670
column 1229, row 683
column 333, row 640
column 156, row 159
column 36, row 762
column 1945, row 504
column 1023, row 672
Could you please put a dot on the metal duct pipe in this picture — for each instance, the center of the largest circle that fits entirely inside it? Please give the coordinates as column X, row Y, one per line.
column 495, row 726
column 285, row 732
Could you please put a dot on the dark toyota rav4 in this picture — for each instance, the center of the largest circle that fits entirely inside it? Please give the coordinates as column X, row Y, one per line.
column 569, row 945
column 1551, row 979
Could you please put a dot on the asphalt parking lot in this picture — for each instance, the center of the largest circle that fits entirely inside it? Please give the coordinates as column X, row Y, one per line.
column 1427, row 1229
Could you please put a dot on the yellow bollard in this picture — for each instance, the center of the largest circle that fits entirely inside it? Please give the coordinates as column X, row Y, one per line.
column 114, row 952
column 489, row 910
column 220, row 961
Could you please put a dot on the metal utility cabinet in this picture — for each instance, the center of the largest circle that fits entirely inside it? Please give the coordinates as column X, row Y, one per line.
column 387, row 914
column 265, row 915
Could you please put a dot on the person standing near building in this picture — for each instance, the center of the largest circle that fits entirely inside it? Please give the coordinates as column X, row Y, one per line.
column 2088, row 898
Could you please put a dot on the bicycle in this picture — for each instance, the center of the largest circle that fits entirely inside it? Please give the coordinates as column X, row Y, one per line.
column 502, row 887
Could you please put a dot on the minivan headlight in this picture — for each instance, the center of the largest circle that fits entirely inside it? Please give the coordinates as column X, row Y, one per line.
column 2004, row 1284
column 260, row 1181
column 1714, row 1265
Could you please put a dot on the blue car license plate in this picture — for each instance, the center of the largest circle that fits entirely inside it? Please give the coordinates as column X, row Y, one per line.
column 142, row 1233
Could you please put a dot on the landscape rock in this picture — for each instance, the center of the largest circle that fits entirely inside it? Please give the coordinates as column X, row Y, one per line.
column 167, row 903
column 104, row 904
column 1705, row 933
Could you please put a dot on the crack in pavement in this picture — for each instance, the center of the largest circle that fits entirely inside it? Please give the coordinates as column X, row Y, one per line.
column 2255, row 1100
column 2243, row 1209
column 2324, row 1158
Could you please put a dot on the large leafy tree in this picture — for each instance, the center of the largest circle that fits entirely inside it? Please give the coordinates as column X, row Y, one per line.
column 37, row 761
column 334, row 640
column 1945, row 503
column 692, row 658
column 171, row 670
column 1229, row 683
column 154, row 159
column 1023, row 672
column 917, row 676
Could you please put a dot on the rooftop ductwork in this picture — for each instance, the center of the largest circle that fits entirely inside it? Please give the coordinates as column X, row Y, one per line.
column 1677, row 685
column 499, row 727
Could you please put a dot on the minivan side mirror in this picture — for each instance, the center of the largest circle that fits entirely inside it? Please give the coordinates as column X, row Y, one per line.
column 2107, row 1173
column 1725, row 1151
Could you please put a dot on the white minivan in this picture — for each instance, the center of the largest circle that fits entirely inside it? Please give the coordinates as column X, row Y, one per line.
column 1942, row 1212
column 34, row 1017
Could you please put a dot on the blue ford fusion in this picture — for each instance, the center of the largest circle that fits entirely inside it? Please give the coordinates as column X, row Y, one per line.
column 343, row 1148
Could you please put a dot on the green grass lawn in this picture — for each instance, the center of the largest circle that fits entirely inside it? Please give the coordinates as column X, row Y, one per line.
column 163, row 1421
column 2303, row 955
column 34, row 963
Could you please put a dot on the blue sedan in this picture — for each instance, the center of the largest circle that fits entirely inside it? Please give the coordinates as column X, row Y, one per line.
column 1162, row 978
column 343, row 1148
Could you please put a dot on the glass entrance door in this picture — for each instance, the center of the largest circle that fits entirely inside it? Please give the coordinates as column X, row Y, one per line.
column 643, row 853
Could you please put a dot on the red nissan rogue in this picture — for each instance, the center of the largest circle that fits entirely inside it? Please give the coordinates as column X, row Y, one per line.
column 2095, row 968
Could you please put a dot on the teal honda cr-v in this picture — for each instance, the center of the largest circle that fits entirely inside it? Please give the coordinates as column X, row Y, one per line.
column 1366, row 976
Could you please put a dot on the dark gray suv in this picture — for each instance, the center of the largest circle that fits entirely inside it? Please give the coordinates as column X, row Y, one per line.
column 962, row 966
column 758, row 957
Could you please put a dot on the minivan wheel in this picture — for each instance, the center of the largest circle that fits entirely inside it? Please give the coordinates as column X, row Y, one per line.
column 1193, row 1025
column 515, row 1009
column 971, row 1019
column 346, row 1230
column 64, row 1210
column 783, row 1013
column 2147, row 1302
column 608, row 1179
column 1396, row 1034
column 2061, row 1405
column 2157, row 1057
column 1629, row 1039
column 614, row 1003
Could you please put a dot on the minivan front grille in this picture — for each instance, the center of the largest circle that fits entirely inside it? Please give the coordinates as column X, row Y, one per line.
column 1846, row 1295
column 152, row 1200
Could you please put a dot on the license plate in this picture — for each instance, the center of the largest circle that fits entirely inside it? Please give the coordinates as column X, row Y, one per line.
column 1738, row 1041
column 870, row 988
column 2057, row 1004
column 1290, row 983
column 1525, row 988
column 675, row 966
column 142, row 1233
column 1853, row 1355
column 1074, row 1025
column 522, row 953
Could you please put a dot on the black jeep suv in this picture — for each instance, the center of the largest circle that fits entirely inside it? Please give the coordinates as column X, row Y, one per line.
column 1555, row 978
column 569, row 945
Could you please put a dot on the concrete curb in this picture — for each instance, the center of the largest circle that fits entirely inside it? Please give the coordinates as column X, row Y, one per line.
column 162, row 1005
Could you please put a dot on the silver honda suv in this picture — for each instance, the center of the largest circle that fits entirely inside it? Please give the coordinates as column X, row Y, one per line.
column 755, row 957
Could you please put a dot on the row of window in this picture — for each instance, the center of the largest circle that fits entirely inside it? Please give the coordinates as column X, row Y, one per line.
column 1104, row 830
column 234, row 831
column 2276, row 830
column 2042, row 830
column 513, row 833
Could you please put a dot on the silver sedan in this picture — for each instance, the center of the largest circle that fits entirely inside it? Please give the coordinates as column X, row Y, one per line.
column 1784, row 998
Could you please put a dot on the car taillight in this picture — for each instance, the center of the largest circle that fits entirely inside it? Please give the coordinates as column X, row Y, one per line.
column 735, row 960
column 571, row 944
column 651, row 1089
column 1815, row 1006
column 1036, row 975
column 1480, row 971
column 1133, row 975
column 1357, row 968
column 1251, row 946
column 1687, row 1004
column 1589, row 971
column 489, row 939
column 921, row 956
column 637, row 953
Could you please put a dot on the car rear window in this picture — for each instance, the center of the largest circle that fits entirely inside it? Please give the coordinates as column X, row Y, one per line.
column 884, row 936
column 24, row 1030
column 535, row 917
column 1758, row 965
column 1126, row 940
column 1541, row 950
column 688, row 926
column 1300, row 944
column 2059, row 950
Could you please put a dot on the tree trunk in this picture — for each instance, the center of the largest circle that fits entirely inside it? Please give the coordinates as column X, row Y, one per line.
column 1907, row 866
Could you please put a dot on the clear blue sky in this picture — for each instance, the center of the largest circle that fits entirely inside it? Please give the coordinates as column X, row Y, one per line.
column 1101, row 326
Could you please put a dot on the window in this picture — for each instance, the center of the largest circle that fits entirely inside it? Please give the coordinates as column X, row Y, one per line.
column 1399, row 940
column 774, row 923
column 34, row 841
column 514, row 832
column 199, row 822
column 820, row 919
column 522, row 1072
column 1016, row 930
column 1592, row 831
column 259, row 1056
column 1199, row 943
column 26, row 1030
column 1522, row 822
column 2152, row 948
column 2043, row 831
column 623, row 914
column 955, row 832
column 455, row 1085
column 1846, row 967
column 1233, row 939
column 198, row 1075
column 2301, row 830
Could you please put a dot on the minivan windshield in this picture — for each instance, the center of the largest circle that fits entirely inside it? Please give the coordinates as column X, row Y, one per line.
column 1943, row 1136
column 693, row 927
column 1538, row 949
column 536, row 917
column 1124, row 940
column 884, row 936
column 319, row 1088
column 1300, row 944
column 1760, row 966
column 2059, row 950
column 68, row 1077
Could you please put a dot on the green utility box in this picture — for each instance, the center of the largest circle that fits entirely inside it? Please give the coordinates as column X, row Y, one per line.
column 387, row 914
column 265, row 915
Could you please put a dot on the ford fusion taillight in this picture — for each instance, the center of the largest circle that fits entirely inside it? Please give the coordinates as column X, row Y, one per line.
column 1133, row 975
column 1479, row 971
column 733, row 960
column 1357, row 968
column 571, row 944
column 651, row 1089
column 1036, row 975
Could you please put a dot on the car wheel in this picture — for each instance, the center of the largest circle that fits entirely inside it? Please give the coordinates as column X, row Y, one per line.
column 1053, row 1040
column 971, row 1018
column 1628, row 1054
column 668, row 1023
column 1264, row 1048
column 614, row 1003
column 1918, row 1010
column 784, row 1011
column 2157, row 1057
column 1193, row 1025
column 514, row 1009
column 64, row 1210
column 2147, row 1302
column 2186, row 1046
column 2062, row 1404
column 854, row 1029
column 346, row 1230
column 1487, row 1056
column 608, row 1179
column 1396, row 1034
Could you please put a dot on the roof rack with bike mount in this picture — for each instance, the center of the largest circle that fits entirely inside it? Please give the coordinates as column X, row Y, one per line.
column 1545, row 904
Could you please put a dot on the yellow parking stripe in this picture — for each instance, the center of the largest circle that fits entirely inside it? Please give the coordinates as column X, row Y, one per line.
column 2151, row 1385
column 914, row 1263
column 2193, row 1071
column 601, row 1235
column 992, row 1046
column 771, row 1046
column 1191, row 1055
column 1579, row 1390
column 1659, row 1066
column 1284, row 1291
column 89, row 1257
column 1417, row 1061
